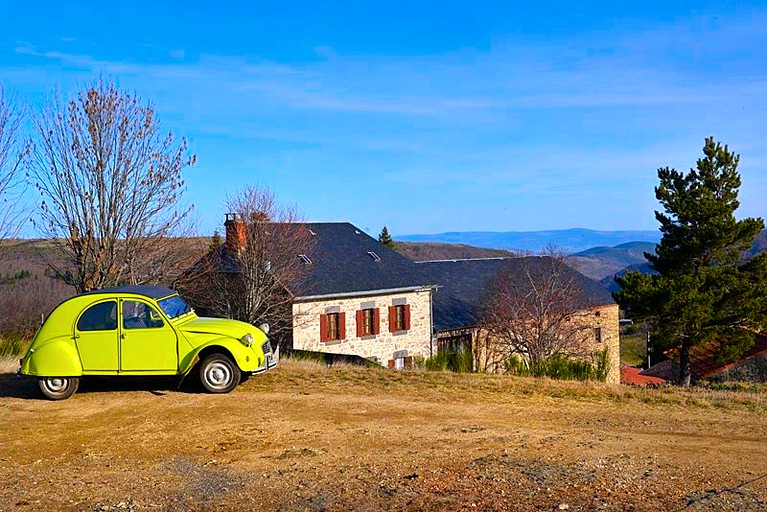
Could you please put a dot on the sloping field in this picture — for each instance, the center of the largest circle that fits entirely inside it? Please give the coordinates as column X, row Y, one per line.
column 306, row 437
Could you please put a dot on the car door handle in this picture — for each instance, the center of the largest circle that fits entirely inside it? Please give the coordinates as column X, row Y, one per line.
column 122, row 336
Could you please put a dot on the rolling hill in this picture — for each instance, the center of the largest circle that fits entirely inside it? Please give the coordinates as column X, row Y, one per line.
column 567, row 240
column 602, row 262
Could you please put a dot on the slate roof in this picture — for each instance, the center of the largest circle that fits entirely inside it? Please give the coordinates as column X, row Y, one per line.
column 341, row 263
column 461, row 283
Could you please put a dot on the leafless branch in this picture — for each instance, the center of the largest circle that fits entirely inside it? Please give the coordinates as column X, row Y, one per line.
column 13, row 149
column 251, row 280
column 538, row 312
column 111, row 184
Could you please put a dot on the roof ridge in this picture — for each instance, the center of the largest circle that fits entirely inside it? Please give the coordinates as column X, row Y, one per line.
column 455, row 260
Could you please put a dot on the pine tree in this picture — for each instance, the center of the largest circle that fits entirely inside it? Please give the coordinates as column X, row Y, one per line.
column 704, row 292
column 215, row 241
column 385, row 238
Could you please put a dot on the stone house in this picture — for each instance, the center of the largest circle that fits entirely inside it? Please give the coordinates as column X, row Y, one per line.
column 361, row 298
column 358, row 297
column 459, row 299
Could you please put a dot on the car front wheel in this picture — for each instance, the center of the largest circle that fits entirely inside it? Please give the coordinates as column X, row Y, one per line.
column 58, row 388
column 219, row 374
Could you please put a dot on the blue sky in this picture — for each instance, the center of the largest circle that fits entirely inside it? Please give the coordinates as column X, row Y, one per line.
column 423, row 116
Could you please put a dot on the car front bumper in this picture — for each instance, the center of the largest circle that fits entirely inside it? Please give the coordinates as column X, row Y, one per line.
column 272, row 360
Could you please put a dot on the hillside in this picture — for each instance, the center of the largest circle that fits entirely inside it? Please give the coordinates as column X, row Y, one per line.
column 567, row 240
column 428, row 251
column 601, row 262
column 307, row 437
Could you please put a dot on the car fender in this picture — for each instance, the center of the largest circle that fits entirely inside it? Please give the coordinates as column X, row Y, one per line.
column 57, row 357
column 246, row 358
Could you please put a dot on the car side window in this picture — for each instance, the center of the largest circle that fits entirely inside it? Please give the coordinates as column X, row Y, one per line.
column 99, row 317
column 139, row 315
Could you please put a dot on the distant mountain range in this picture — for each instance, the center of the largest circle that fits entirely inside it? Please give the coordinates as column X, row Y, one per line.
column 601, row 259
column 566, row 240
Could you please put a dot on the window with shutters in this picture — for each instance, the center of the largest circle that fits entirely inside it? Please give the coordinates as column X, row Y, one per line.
column 332, row 327
column 399, row 318
column 401, row 363
column 367, row 322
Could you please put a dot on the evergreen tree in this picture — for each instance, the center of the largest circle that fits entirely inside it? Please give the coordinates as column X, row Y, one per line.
column 385, row 238
column 215, row 241
column 704, row 291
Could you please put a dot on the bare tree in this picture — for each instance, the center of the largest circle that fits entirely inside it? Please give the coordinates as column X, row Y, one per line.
column 536, row 308
column 250, row 277
column 12, row 152
column 111, row 184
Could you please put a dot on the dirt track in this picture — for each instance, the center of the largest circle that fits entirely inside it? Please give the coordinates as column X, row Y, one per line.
column 311, row 438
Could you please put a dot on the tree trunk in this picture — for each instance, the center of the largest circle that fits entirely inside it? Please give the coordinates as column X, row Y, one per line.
column 685, row 372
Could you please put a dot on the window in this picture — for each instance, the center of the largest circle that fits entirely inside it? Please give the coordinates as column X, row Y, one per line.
column 598, row 334
column 368, row 322
column 401, row 363
column 399, row 318
column 99, row 317
column 332, row 327
column 139, row 315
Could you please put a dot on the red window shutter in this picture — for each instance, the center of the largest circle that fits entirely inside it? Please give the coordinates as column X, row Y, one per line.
column 342, row 326
column 407, row 317
column 409, row 362
column 360, row 323
column 391, row 361
column 392, row 315
column 323, row 327
column 376, row 321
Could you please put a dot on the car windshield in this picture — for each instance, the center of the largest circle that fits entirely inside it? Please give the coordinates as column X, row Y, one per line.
column 174, row 306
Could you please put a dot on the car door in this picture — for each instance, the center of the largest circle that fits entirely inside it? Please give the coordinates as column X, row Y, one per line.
column 147, row 341
column 96, row 337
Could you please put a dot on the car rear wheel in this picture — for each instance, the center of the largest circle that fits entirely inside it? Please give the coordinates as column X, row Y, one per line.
column 58, row 388
column 219, row 374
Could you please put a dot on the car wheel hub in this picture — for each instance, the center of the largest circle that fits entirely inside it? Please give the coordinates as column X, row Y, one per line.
column 56, row 385
column 218, row 375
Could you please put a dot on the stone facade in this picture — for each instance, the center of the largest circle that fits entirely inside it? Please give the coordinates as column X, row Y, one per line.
column 382, row 347
column 490, row 359
column 607, row 319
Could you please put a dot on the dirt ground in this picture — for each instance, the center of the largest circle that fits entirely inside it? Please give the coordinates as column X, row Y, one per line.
column 306, row 437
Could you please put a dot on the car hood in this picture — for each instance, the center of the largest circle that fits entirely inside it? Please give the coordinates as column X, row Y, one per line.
column 220, row 326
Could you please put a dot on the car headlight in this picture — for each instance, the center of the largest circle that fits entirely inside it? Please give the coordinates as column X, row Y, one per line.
column 247, row 340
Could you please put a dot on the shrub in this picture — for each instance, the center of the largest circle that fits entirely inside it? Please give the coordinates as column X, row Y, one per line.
column 12, row 345
column 460, row 361
column 561, row 367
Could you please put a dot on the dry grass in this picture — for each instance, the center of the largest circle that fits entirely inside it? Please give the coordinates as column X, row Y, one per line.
column 308, row 437
column 9, row 364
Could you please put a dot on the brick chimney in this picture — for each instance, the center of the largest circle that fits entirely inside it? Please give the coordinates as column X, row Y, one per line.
column 235, row 232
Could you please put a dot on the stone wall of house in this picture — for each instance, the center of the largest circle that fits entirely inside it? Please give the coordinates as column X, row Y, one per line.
column 607, row 317
column 489, row 358
column 382, row 347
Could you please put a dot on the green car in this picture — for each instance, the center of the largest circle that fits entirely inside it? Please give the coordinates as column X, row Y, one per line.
column 142, row 330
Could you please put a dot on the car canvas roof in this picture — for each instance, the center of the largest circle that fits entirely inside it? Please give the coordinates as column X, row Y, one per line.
column 151, row 291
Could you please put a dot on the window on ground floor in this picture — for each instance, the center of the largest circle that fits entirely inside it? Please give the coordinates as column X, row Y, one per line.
column 401, row 363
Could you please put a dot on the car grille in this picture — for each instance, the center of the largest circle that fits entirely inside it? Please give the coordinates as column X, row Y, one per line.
column 266, row 347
